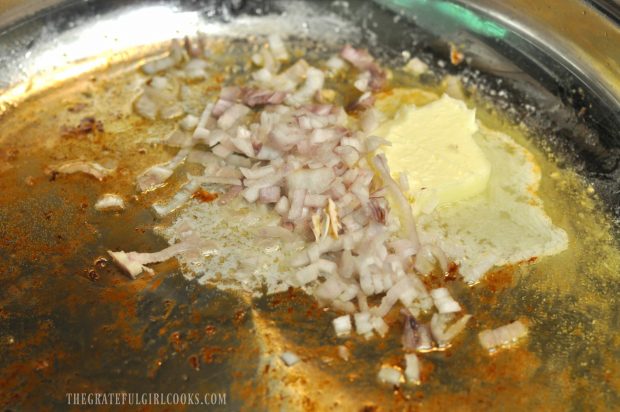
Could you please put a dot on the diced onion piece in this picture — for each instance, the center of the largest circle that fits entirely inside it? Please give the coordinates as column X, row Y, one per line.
column 442, row 333
column 297, row 203
column 444, row 302
column 379, row 325
column 202, row 135
column 178, row 200
column 78, row 166
column 158, row 65
column 129, row 263
column 363, row 326
column 110, row 202
column 491, row 339
column 416, row 66
column 257, row 173
column 238, row 161
column 269, row 194
column 342, row 325
column 254, row 97
column 361, row 83
column 222, row 151
column 189, row 122
column 159, row 82
column 369, row 121
column 268, row 153
column 314, row 82
column 207, row 159
column 153, row 177
column 424, row 260
column 232, row 115
column 282, row 206
column 313, row 200
column 205, row 116
column 312, row 180
column 178, row 138
column 335, row 64
column 146, row 107
column 343, row 352
column 390, row 375
column 412, row 368
column 327, row 266
column 329, row 290
column 133, row 263
column 276, row 232
column 277, row 47
column 289, row 358
column 380, row 162
column 392, row 296
column 307, row 274
column 172, row 112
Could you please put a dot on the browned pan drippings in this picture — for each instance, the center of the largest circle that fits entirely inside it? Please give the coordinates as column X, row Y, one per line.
column 70, row 321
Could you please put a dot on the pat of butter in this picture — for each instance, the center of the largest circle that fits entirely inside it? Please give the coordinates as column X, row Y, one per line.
column 433, row 144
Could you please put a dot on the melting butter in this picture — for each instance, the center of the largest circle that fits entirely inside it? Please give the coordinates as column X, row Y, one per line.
column 434, row 145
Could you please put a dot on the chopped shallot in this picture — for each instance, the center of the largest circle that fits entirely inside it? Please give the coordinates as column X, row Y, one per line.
column 342, row 325
column 79, row 166
column 255, row 97
column 277, row 47
column 390, row 375
column 363, row 325
column 233, row 114
column 416, row 66
column 492, row 339
column 178, row 138
column 363, row 61
column 380, row 163
column 133, row 263
column 311, row 180
column 343, row 352
column 412, row 369
column 110, row 202
column 289, row 358
column 283, row 141
column 442, row 333
column 189, row 122
column 444, row 302
column 153, row 178
column 178, row 200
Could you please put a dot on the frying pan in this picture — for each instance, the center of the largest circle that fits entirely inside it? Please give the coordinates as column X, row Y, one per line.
column 69, row 323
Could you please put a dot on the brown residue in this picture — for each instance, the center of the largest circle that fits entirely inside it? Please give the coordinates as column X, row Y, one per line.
column 456, row 57
column 453, row 272
column 499, row 279
column 178, row 343
column 510, row 377
column 239, row 316
column 87, row 125
column 204, row 195
column 214, row 354
column 438, row 279
column 194, row 362
column 210, row 330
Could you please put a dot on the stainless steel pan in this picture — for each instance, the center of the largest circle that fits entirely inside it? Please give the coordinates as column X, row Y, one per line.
column 69, row 323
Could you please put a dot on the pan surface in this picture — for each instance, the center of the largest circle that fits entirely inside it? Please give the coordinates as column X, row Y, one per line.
column 70, row 322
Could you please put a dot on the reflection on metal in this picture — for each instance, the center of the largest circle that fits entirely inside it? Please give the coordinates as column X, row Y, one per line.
column 430, row 12
column 35, row 57
column 572, row 33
